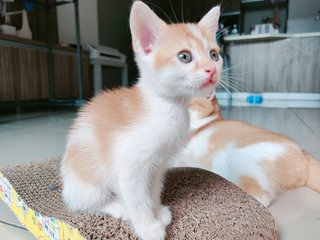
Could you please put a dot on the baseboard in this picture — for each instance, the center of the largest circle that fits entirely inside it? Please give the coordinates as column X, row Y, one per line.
column 271, row 100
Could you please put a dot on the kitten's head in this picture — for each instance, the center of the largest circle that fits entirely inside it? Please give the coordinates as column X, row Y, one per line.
column 176, row 60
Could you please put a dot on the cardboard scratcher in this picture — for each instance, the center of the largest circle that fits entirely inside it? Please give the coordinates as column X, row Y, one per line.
column 203, row 206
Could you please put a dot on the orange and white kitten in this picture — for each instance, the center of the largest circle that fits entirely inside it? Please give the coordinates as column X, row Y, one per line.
column 260, row 162
column 119, row 144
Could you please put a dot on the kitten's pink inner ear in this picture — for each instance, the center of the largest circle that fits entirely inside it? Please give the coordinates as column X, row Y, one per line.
column 147, row 39
column 145, row 26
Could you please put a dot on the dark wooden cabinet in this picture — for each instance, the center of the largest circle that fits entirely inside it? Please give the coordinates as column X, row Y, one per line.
column 39, row 69
column 7, row 80
column 24, row 74
column 65, row 75
column 31, row 74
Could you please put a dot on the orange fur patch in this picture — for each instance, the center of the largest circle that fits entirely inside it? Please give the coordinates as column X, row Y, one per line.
column 251, row 186
column 313, row 179
column 107, row 113
column 202, row 106
column 289, row 171
column 205, row 108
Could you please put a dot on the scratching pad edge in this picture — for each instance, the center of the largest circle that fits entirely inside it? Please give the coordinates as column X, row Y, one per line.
column 203, row 206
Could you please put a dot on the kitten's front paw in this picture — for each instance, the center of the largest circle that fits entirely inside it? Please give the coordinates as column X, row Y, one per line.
column 165, row 215
column 153, row 231
column 115, row 209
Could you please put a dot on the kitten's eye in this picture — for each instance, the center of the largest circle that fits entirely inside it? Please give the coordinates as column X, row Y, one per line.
column 184, row 56
column 214, row 55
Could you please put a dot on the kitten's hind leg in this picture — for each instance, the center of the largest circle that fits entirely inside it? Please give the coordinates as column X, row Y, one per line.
column 252, row 186
column 80, row 195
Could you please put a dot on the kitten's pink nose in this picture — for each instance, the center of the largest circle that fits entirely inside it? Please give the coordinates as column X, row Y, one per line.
column 211, row 71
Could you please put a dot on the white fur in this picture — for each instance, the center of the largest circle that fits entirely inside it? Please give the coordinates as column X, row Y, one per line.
column 196, row 122
column 229, row 162
column 197, row 146
column 196, row 149
column 83, row 134
column 233, row 162
column 74, row 189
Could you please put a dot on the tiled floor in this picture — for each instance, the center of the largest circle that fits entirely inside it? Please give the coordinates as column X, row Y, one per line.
column 35, row 136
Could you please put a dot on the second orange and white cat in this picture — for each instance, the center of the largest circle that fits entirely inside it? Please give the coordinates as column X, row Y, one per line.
column 261, row 162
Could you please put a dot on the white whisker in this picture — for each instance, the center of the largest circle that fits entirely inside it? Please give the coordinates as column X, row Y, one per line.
column 172, row 9
column 225, row 88
column 233, row 67
column 237, row 87
column 155, row 5
column 229, row 86
column 235, row 79
column 182, row 11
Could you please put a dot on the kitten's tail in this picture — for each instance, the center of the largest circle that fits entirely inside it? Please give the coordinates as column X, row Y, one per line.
column 313, row 178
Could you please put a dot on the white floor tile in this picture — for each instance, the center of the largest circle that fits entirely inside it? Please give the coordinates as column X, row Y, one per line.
column 7, row 215
column 13, row 233
column 298, row 214
column 33, row 139
column 311, row 117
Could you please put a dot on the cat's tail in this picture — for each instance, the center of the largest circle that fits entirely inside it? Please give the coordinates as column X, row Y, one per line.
column 313, row 178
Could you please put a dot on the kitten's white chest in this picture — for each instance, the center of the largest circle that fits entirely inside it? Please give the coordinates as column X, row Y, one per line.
column 161, row 131
column 173, row 125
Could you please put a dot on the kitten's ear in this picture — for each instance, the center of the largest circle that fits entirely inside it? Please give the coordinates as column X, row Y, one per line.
column 145, row 25
column 211, row 20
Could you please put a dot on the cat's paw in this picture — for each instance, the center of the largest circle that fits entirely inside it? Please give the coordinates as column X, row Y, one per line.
column 152, row 231
column 115, row 209
column 165, row 215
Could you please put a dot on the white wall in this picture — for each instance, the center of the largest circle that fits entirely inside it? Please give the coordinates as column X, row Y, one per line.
column 88, row 12
column 301, row 16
